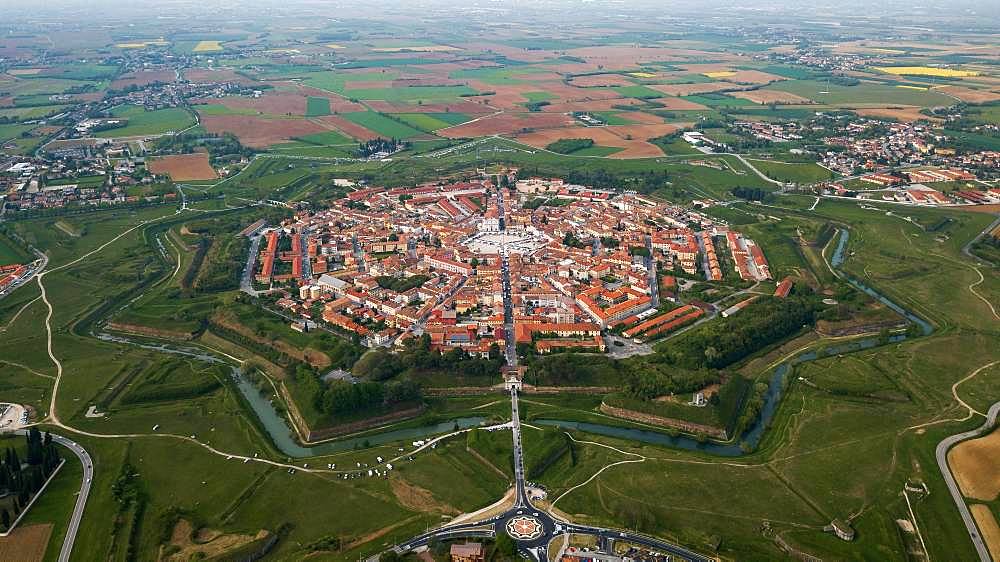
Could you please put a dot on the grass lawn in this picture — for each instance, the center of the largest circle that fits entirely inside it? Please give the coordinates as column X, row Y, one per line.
column 382, row 125
column 142, row 122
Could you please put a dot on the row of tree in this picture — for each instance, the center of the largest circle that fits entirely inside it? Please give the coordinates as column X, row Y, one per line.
column 716, row 345
column 22, row 480
column 374, row 146
column 343, row 398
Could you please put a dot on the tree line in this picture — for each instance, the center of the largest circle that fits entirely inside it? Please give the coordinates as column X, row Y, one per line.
column 22, row 480
column 717, row 345
column 417, row 356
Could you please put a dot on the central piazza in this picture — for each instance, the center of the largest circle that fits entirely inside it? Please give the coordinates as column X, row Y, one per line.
column 388, row 264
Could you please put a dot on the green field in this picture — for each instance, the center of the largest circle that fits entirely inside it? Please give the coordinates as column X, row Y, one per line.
column 411, row 93
column 31, row 112
column 8, row 132
column 865, row 93
column 327, row 138
column 142, row 122
column 597, row 150
column 334, row 81
column 11, row 252
column 382, row 125
column 430, row 122
column 802, row 173
column 316, row 107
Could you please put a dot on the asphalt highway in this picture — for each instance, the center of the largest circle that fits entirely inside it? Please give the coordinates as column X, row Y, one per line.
column 942, row 460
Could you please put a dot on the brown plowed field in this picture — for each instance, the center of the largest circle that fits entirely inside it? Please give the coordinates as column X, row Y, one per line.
column 571, row 93
column 765, row 97
column 976, row 466
column 644, row 118
column 690, row 89
column 615, row 136
column 338, row 104
column 259, row 132
column 270, row 103
column 183, row 167
column 752, row 77
column 203, row 75
column 596, row 80
column 367, row 85
column 969, row 95
column 617, row 56
column 900, row 113
column 143, row 78
column 987, row 524
column 679, row 104
column 506, row 123
column 351, row 129
column 26, row 544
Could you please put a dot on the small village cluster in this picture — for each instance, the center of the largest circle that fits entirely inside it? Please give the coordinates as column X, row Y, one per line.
column 390, row 264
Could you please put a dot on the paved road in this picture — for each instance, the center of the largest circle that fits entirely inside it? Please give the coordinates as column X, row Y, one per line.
column 956, row 494
column 81, row 498
column 547, row 527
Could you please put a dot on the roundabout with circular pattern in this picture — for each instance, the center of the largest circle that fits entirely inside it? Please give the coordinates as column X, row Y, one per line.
column 525, row 528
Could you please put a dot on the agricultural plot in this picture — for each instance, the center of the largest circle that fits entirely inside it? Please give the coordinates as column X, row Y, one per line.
column 976, row 466
column 865, row 93
column 410, row 93
column 207, row 47
column 383, row 125
column 430, row 122
column 183, row 167
column 26, row 544
column 801, row 173
column 261, row 132
column 715, row 100
column 316, row 107
column 148, row 123
column 326, row 139
column 11, row 252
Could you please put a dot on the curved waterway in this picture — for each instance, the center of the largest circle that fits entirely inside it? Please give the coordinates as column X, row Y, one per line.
column 276, row 425
column 776, row 386
column 281, row 434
